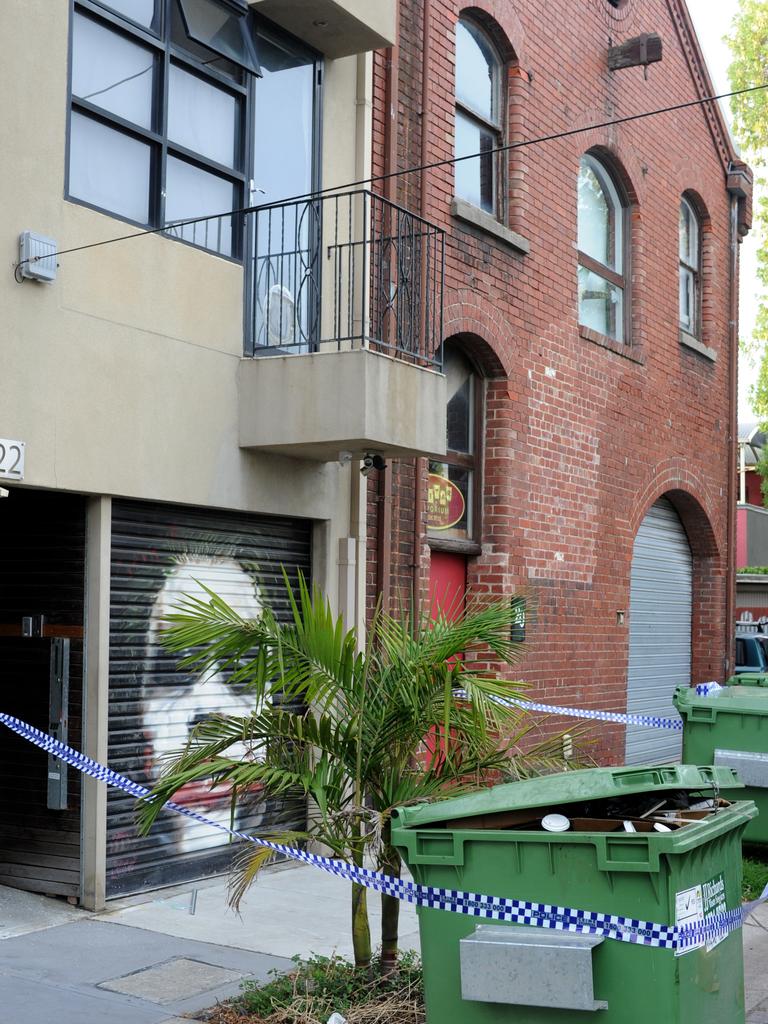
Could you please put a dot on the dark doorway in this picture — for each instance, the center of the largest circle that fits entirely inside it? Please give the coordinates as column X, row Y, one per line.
column 42, row 591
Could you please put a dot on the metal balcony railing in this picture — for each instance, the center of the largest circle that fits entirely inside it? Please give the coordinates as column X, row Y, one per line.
column 348, row 270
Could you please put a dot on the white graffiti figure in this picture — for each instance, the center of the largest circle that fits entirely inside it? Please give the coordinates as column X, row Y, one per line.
column 172, row 709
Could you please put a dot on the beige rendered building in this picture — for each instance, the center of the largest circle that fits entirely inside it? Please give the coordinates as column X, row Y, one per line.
column 187, row 404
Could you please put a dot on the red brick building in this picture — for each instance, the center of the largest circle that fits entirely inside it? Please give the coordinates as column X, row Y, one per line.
column 588, row 336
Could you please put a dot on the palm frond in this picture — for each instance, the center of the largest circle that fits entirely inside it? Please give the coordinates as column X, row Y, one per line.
column 251, row 858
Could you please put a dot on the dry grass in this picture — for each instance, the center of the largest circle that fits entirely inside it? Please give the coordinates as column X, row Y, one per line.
column 316, row 989
column 392, row 1009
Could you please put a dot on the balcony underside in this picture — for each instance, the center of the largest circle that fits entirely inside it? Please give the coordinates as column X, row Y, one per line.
column 337, row 28
column 321, row 405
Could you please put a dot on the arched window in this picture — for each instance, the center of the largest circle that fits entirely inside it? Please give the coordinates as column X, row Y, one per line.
column 453, row 493
column 479, row 117
column 602, row 231
column 690, row 268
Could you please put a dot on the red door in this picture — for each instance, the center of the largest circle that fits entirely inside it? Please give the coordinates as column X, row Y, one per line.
column 447, row 583
column 447, row 589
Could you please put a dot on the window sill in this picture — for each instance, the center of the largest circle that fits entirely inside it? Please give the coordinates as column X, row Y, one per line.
column 478, row 218
column 688, row 341
column 619, row 348
column 459, row 547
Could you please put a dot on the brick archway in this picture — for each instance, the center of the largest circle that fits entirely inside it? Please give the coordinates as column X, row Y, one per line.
column 484, row 334
column 695, row 508
column 504, row 25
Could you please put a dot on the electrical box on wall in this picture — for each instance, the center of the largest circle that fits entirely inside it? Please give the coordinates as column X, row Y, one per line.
column 37, row 257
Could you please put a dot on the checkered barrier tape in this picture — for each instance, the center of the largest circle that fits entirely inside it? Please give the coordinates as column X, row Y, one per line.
column 489, row 908
column 647, row 721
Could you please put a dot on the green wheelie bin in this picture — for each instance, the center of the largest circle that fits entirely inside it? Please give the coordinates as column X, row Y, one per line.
column 730, row 727
column 747, row 679
column 648, row 843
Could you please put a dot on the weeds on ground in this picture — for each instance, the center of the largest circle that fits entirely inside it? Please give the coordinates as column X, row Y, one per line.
column 755, row 874
column 321, row 986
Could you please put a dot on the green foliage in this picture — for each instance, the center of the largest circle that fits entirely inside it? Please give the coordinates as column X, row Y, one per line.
column 325, row 985
column 755, row 877
column 380, row 727
column 748, row 41
column 755, row 570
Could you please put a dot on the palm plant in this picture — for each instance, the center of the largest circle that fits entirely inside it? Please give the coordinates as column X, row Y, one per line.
column 359, row 732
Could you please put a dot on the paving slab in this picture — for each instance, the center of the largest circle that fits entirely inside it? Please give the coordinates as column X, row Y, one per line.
column 62, row 973
column 162, row 983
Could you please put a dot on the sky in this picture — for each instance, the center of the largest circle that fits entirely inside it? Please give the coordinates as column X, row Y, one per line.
column 712, row 19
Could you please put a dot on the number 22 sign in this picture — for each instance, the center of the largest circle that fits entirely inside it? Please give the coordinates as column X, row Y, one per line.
column 11, row 459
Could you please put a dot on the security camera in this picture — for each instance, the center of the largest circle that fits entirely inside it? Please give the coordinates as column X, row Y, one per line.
column 372, row 461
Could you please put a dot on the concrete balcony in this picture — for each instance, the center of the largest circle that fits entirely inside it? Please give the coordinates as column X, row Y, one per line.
column 337, row 28
column 322, row 405
column 345, row 324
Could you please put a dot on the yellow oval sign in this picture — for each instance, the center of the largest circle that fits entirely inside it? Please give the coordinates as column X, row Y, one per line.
column 445, row 503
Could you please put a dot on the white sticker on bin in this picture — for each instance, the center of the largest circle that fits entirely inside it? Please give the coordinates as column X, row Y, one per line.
column 697, row 905
column 681, row 937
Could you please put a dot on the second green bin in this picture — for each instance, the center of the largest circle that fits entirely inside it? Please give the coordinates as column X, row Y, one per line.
column 730, row 727
column 495, row 842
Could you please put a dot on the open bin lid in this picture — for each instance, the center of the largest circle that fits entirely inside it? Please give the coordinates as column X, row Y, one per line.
column 751, row 700
column 570, row 787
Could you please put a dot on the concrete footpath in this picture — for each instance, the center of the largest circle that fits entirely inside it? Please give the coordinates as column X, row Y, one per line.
column 151, row 961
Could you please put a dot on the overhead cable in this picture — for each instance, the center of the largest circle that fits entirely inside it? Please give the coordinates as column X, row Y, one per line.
column 420, row 168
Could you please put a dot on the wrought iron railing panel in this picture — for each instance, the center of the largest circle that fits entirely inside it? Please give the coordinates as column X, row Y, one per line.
column 347, row 270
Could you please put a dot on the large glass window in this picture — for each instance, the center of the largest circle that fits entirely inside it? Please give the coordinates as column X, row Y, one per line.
column 479, row 116
column 690, row 260
column 283, row 119
column 452, row 493
column 160, row 92
column 112, row 71
column 109, row 169
column 601, row 229
column 202, row 117
column 286, row 264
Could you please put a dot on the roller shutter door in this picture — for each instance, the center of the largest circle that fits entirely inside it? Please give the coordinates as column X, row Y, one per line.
column 659, row 631
column 160, row 553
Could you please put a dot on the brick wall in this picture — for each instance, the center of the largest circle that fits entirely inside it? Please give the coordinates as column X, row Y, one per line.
column 580, row 438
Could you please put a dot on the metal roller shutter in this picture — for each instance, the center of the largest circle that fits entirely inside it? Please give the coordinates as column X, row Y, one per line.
column 160, row 553
column 659, row 630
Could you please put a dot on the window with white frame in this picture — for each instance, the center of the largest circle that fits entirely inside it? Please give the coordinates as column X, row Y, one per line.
column 479, row 117
column 690, row 266
column 601, row 251
column 158, row 121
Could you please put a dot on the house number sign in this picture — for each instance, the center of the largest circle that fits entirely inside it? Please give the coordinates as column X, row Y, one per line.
column 11, row 459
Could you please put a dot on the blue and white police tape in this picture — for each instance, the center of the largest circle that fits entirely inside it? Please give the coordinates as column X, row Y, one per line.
column 647, row 721
column 491, row 908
